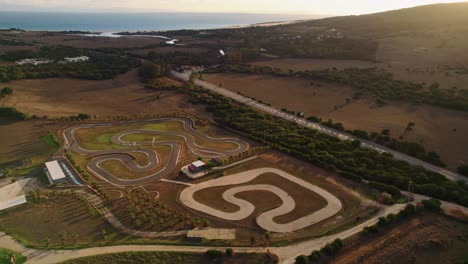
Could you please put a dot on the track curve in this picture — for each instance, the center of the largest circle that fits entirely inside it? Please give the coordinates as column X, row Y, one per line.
column 124, row 156
column 265, row 219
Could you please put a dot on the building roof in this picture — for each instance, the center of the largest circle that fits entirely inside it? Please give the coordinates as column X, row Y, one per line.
column 198, row 163
column 56, row 173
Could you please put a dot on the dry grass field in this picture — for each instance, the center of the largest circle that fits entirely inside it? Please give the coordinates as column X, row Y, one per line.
column 58, row 97
column 33, row 223
column 441, row 130
column 428, row 238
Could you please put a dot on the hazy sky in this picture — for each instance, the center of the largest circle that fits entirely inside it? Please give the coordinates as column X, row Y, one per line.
column 329, row 7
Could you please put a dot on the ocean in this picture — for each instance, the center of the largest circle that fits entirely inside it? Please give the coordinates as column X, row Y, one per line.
column 115, row 22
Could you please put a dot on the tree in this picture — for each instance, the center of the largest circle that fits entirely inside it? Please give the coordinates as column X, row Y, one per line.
column 302, row 259
column 463, row 169
column 229, row 252
column 214, row 254
column 432, row 205
column 149, row 71
column 6, row 91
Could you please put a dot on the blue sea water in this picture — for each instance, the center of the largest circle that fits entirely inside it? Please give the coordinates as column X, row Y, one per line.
column 113, row 22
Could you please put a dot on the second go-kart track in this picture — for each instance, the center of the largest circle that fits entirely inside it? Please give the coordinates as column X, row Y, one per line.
column 266, row 219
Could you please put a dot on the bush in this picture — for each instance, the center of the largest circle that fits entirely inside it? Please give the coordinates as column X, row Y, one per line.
column 432, row 205
column 214, row 254
column 463, row 170
column 229, row 252
column 302, row 259
column 394, row 191
column 314, row 256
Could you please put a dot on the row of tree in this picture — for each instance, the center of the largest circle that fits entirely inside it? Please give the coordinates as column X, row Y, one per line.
column 347, row 158
column 371, row 81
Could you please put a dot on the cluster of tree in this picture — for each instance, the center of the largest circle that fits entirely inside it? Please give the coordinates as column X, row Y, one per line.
column 211, row 57
column 214, row 254
column 410, row 148
column 5, row 91
column 463, row 170
column 330, row 249
column 148, row 213
column 371, row 81
column 10, row 112
column 347, row 158
column 98, row 67
column 7, row 42
column 408, row 211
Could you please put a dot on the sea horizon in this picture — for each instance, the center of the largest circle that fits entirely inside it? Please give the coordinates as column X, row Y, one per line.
column 133, row 22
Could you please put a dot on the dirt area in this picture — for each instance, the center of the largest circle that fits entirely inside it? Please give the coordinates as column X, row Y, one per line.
column 124, row 95
column 21, row 140
column 307, row 202
column 351, row 196
column 313, row 64
column 437, row 129
column 429, row 238
column 34, row 222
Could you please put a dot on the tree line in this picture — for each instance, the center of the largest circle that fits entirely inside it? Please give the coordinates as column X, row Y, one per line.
column 372, row 81
column 347, row 158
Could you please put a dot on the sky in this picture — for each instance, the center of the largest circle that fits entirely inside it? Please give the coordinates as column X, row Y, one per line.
column 312, row 7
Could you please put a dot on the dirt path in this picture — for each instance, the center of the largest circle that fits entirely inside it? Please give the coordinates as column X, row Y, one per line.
column 264, row 220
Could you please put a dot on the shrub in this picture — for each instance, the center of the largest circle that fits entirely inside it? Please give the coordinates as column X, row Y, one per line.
column 302, row 259
column 432, row 205
column 214, row 254
column 463, row 169
column 229, row 252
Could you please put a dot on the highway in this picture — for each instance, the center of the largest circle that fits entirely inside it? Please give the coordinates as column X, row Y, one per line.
column 303, row 122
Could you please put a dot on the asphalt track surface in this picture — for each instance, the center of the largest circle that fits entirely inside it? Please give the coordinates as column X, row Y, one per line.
column 264, row 219
column 304, row 122
column 124, row 155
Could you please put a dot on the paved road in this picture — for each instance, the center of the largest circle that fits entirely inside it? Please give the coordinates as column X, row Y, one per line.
column 124, row 156
column 303, row 122
column 265, row 219
column 286, row 254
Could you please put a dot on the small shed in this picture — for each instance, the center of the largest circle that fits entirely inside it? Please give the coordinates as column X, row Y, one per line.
column 197, row 166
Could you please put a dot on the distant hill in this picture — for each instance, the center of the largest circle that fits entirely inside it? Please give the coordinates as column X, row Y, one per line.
column 416, row 19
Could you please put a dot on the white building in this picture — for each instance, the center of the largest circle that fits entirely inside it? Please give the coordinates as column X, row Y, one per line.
column 54, row 173
column 77, row 59
column 33, row 61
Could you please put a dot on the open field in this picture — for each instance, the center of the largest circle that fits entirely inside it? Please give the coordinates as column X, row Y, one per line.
column 66, row 97
column 59, row 215
column 428, row 238
column 437, row 129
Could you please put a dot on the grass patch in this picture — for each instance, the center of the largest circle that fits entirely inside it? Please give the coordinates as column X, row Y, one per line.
column 50, row 140
column 6, row 254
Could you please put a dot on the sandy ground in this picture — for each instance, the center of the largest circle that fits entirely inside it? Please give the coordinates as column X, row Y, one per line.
column 434, row 126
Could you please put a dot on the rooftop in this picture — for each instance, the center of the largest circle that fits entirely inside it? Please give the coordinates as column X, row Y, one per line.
column 198, row 163
column 54, row 169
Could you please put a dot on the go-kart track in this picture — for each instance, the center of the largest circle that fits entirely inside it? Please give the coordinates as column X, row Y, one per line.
column 124, row 155
column 266, row 219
